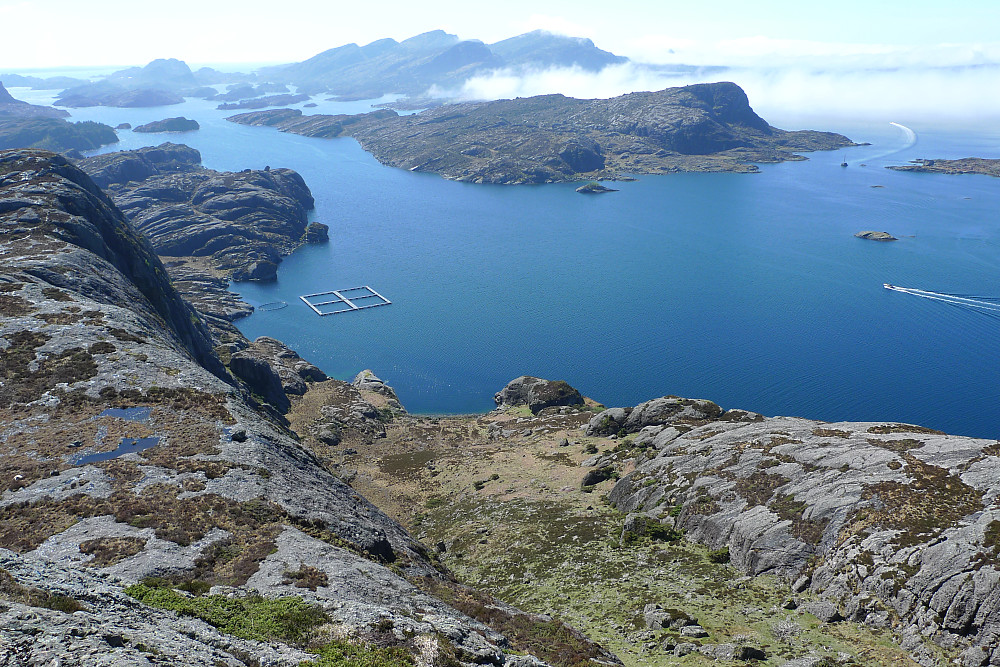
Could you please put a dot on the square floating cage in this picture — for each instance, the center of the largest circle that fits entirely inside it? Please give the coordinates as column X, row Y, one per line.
column 344, row 300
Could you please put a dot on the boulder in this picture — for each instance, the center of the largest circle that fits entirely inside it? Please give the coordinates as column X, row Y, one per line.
column 827, row 612
column 668, row 410
column 537, row 394
column 730, row 651
column 608, row 422
column 317, row 232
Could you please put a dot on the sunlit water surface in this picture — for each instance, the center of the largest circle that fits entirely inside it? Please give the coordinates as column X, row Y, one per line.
column 749, row 290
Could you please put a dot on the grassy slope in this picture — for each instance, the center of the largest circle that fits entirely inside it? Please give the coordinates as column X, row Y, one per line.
column 514, row 522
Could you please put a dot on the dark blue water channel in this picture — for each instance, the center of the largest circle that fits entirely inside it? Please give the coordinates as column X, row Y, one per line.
column 749, row 290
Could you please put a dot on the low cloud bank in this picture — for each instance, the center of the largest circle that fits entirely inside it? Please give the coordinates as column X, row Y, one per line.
column 960, row 93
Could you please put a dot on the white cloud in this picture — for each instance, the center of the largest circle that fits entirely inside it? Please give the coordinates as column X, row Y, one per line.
column 788, row 93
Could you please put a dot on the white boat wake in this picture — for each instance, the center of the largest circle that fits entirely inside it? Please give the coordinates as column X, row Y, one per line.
column 909, row 140
column 981, row 303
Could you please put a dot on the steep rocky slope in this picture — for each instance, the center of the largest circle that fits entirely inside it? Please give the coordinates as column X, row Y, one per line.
column 549, row 138
column 209, row 226
column 129, row 452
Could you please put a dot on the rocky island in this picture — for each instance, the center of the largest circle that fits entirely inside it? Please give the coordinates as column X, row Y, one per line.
column 552, row 138
column 876, row 236
column 178, row 124
column 969, row 165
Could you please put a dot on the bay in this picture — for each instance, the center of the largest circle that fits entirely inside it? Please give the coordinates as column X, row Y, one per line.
column 749, row 290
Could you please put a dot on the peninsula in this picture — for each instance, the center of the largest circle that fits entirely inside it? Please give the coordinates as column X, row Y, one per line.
column 553, row 138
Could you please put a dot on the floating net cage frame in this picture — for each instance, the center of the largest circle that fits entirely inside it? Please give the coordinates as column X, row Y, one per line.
column 344, row 301
column 272, row 305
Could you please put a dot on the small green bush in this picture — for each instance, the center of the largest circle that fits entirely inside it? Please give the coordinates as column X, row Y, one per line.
column 719, row 555
column 343, row 654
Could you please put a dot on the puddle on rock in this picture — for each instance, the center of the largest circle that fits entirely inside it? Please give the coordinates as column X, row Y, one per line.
column 139, row 414
column 127, row 446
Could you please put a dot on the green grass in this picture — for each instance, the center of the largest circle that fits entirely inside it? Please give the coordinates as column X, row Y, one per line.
column 342, row 654
column 288, row 619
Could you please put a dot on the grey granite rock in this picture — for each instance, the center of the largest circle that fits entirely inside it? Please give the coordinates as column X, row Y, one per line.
column 537, row 394
column 889, row 520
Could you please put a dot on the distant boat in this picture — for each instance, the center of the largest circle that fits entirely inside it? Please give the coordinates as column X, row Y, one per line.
column 844, row 163
column 888, row 286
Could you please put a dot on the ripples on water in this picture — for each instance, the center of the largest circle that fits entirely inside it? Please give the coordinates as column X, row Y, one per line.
column 749, row 290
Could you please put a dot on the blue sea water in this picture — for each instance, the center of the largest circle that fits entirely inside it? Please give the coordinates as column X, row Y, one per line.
column 749, row 290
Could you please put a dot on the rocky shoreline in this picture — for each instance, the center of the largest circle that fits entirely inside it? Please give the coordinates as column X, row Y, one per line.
column 552, row 138
column 969, row 165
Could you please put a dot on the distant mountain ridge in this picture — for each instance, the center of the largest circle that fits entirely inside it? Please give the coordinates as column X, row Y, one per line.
column 434, row 58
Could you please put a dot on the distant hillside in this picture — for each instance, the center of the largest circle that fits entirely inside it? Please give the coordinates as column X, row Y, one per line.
column 434, row 58
column 550, row 138
column 24, row 125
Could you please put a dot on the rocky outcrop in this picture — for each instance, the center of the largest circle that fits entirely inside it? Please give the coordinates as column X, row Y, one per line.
column 241, row 222
column 537, row 394
column 657, row 412
column 273, row 371
column 969, row 165
column 895, row 524
column 138, row 165
column 178, row 124
column 317, row 232
column 876, row 236
column 98, row 351
column 550, row 138
column 368, row 383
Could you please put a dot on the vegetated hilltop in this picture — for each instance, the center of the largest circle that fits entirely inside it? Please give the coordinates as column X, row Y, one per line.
column 551, row 138
column 676, row 532
column 138, row 475
column 433, row 58
column 24, row 125
column 968, row 165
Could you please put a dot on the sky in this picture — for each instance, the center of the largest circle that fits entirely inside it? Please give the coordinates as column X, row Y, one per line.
column 58, row 33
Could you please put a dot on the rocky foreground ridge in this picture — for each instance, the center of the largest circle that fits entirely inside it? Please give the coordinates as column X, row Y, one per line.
column 897, row 525
column 131, row 454
column 552, row 138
